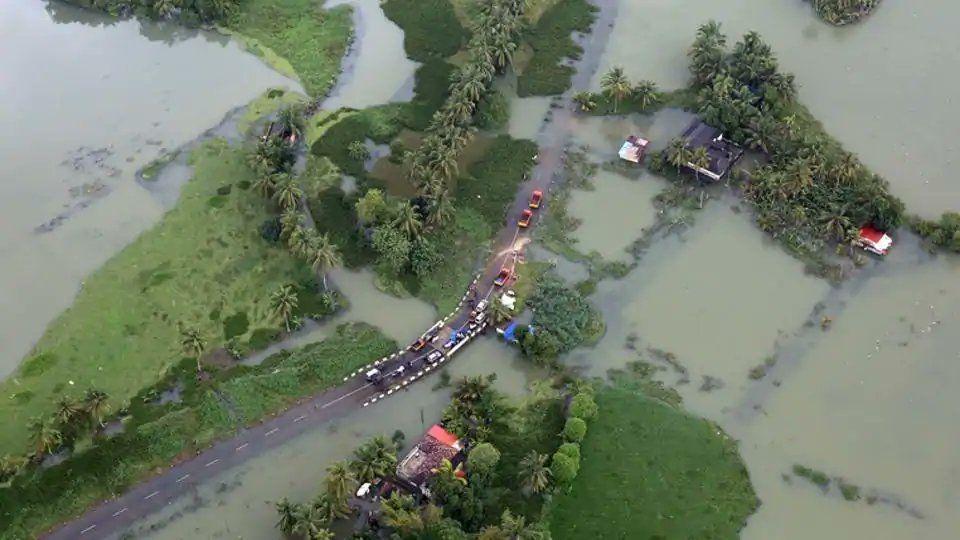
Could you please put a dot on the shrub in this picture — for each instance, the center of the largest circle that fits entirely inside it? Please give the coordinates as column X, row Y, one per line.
column 574, row 430
column 564, row 468
column 583, row 406
column 570, row 449
column 482, row 459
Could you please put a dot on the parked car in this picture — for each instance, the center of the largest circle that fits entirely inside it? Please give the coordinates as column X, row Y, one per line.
column 374, row 375
column 418, row 345
column 397, row 373
column 525, row 217
column 434, row 357
column 502, row 277
column 535, row 199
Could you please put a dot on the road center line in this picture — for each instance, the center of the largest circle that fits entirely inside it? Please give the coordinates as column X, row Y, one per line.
column 242, row 446
column 271, row 432
column 88, row 529
column 299, row 418
column 364, row 387
column 212, row 462
column 120, row 511
column 182, row 478
column 151, row 495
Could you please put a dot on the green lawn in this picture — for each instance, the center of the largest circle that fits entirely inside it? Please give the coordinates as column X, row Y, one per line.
column 203, row 263
column 296, row 37
column 650, row 470
column 156, row 434
column 551, row 41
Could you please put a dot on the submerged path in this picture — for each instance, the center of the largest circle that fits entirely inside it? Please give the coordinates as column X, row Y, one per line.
column 113, row 516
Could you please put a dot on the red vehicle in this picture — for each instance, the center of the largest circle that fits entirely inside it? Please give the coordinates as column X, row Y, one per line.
column 502, row 277
column 535, row 199
column 525, row 218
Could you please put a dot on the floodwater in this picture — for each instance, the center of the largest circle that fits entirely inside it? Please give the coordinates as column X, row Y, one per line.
column 240, row 502
column 87, row 101
column 614, row 212
column 378, row 71
column 883, row 87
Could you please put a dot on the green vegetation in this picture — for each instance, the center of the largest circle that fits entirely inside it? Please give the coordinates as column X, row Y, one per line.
column 311, row 39
column 431, row 29
column 760, row 371
column 155, row 433
column 203, row 262
column 811, row 192
column 562, row 320
column 651, row 469
column 818, row 478
column 551, row 42
column 490, row 184
column 187, row 12
column 843, row 12
column 944, row 234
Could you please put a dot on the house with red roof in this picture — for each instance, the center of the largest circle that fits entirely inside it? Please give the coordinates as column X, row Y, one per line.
column 436, row 445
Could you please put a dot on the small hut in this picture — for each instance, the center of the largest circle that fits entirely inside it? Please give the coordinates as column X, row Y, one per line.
column 633, row 148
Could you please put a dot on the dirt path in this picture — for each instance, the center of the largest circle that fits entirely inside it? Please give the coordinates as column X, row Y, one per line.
column 112, row 516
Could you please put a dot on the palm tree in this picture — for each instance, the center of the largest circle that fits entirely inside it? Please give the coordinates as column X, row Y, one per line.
column 339, row 484
column 288, row 194
column 290, row 221
column 10, row 466
column 677, row 153
column 401, row 513
column 323, row 255
column 440, row 208
column 407, row 220
column 299, row 240
column 511, row 527
column 585, row 100
column 264, row 185
column 499, row 311
column 534, row 475
column 646, row 93
column 374, row 459
column 836, row 225
column 288, row 516
column 95, row 406
column 616, row 86
column 290, row 120
column 193, row 344
column 284, row 302
column 700, row 160
column 69, row 413
column 44, row 437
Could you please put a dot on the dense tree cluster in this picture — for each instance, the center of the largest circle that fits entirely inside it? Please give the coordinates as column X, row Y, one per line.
column 189, row 12
column 491, row 49
column 562, row 320
column 841, row 12
column 811, row 191
column 944, row 233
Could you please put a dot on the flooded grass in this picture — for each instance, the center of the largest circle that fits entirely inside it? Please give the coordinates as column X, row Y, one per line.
column 551, row 42
column 431, row 28
column 310, row 39
column 199, row 262
column 653, row 470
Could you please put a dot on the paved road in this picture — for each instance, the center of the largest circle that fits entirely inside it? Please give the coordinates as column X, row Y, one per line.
column 114, row 515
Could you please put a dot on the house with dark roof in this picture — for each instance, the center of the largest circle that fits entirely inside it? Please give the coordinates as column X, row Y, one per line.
column 436, row 445
column 722, row 153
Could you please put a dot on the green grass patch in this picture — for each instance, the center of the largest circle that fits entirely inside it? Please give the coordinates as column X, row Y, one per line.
column 154, row 434
column 297, row 35
column 650, row 470
column 491, row 183
column 461, row 248
column 430, row 27
column 121, row 333
column 266, row 104
column 818, row 478
column 551, row 42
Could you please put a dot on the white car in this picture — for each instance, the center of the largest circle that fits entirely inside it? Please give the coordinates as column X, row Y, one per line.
column 373, row 375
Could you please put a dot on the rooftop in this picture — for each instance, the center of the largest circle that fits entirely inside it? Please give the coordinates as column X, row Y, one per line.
column 436, row 445
column 723, row 153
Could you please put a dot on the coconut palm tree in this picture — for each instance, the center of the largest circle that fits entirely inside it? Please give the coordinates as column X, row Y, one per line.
column 288, row 194
column 264, row 185
column 339, row 484
column 407, row 220
column 585, row 100
column 677, row 153
column 534, row 475
column 69, row 414
column 323, row 255
column 193, row 344
column 10, row 466
column 499, row 311
column 284, row 302
column 837, row 226
column 299, row 240
column 44, row 436
column 290, row 221
column 440, row 208
column 700, row 160
column 646, row 94
column 400, row 512
column 288, row 516
column 291, row 121
column 615, row 86
column 374, row 459
column 511, row 527
column 95, row 405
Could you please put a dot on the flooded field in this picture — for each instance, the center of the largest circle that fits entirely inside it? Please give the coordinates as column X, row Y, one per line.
column 377, row 70
column 67, row 193
column 240, row 502
column 879, row 87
